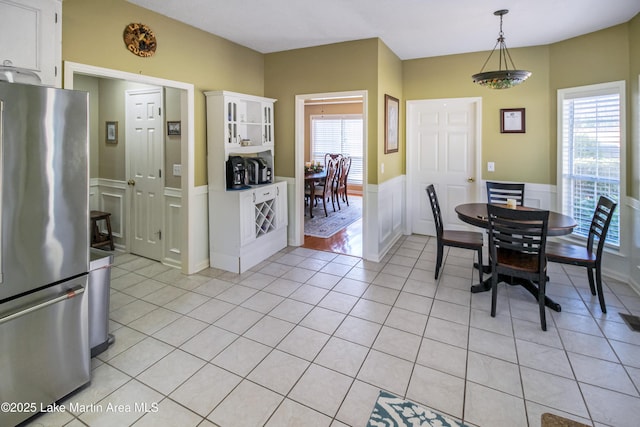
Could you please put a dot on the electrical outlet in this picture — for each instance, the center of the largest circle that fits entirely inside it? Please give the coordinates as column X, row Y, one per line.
column 491, row 167
column 177, row 170
column 381, row 167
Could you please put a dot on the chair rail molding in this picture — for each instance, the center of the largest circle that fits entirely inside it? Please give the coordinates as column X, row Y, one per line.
column 111, row 196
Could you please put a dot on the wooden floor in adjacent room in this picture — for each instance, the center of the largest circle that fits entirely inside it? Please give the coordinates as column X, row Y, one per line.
column 347, row 241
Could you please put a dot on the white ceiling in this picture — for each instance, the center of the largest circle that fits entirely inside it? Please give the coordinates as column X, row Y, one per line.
column 411, row 28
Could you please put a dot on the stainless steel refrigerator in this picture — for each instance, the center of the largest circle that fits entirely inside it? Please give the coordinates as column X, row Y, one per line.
column 44, row 252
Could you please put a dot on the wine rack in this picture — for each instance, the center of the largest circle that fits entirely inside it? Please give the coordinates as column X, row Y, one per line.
column 265, row 217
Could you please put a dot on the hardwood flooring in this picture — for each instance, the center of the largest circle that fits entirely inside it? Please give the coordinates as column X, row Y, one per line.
column 347, row 241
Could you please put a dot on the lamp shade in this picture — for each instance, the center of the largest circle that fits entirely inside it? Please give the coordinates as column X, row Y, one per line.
column 503, row 79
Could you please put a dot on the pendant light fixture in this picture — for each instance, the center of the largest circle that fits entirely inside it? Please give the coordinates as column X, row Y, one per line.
column 502, row 78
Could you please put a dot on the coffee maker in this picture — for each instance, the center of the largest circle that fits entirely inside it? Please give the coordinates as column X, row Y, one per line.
column 257, row 170
column 236, row 173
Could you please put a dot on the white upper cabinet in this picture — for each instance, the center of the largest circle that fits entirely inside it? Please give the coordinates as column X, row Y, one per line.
column 31, row 38
column 237, row 125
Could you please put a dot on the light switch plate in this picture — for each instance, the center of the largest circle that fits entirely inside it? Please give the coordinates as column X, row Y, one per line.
column 491, row 167
column 177, row 170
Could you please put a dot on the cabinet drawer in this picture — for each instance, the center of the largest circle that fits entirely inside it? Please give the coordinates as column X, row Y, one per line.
column 263, row 194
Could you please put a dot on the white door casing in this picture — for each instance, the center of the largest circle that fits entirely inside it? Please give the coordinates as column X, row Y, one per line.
column 443, row 140
column 296, row 205
column 145, row 152
column 195, row 244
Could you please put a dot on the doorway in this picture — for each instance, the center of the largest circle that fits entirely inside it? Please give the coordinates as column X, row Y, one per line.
column 193, row 243
column 443, row 146
column 334, row 107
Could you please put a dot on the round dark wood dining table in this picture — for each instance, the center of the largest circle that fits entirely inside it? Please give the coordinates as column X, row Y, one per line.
column 476, row 214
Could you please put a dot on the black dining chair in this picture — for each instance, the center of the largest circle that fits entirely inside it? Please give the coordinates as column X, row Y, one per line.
column 454, row 238
column 517, row 241
column 585, row 256
column 499, row 192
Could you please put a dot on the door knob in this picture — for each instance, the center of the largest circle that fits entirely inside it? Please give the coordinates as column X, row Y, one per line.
column 471, row 179
column 131, row 182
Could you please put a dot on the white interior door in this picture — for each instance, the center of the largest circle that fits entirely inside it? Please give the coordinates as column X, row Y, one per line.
column 441, row 150
column 145, row 148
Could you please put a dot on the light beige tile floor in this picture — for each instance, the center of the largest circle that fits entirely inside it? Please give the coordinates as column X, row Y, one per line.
column 309, row 338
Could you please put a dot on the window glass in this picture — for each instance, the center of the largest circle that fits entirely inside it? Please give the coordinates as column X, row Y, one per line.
column 591, row 153
column 338, row 134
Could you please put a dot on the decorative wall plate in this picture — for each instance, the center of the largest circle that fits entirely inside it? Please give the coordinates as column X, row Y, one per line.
column 140, row 40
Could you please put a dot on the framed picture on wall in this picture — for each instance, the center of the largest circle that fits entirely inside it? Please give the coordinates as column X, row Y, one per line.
column 391, row 123
column 173, row 128
column 111, row 132
column 512, row 120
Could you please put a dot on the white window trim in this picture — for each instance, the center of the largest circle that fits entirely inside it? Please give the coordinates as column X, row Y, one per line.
column 568, row 93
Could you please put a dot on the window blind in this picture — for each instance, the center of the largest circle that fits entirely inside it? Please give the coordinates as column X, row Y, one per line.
column 591, row 158
column 338, row 134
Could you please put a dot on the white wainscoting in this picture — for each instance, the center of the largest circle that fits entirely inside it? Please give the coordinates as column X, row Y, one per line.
column 633, row 209
column 199, row 221
column 540, row 196
column 172, row 249
column 622, row 264
column 384, row 206
column 111, row 196
column 291, row 213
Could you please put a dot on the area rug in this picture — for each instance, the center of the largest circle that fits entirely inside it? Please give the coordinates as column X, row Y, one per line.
column 392, row 411
column 326, row 226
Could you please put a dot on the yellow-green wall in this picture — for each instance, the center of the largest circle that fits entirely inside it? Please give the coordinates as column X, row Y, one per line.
column 634, row 100
column 172, row 143
column 333, row 68
column 450, row 77
column 598, row 57
column 389, row 83
column 92, row 34
column 91, row 85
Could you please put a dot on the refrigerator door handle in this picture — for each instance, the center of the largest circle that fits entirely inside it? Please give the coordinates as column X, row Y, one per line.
column 67, row 295
column 1, row 173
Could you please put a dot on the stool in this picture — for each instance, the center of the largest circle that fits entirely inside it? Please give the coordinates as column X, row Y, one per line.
column 99, row 239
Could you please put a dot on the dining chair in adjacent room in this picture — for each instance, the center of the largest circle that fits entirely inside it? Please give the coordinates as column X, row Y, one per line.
column 499, row 192
column 331, row 156
column 584, row 255
column 343, row 175
column 327, row 190
column 336, row 159
column 517, row 240
column 454, row 238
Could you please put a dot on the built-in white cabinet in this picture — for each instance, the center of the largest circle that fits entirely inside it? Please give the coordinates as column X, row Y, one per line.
column 247, row 225
column 237, row 125
column 31, row 37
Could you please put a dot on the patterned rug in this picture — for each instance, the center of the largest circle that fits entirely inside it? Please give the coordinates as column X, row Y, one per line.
column 392, row 411
column 326, row 226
